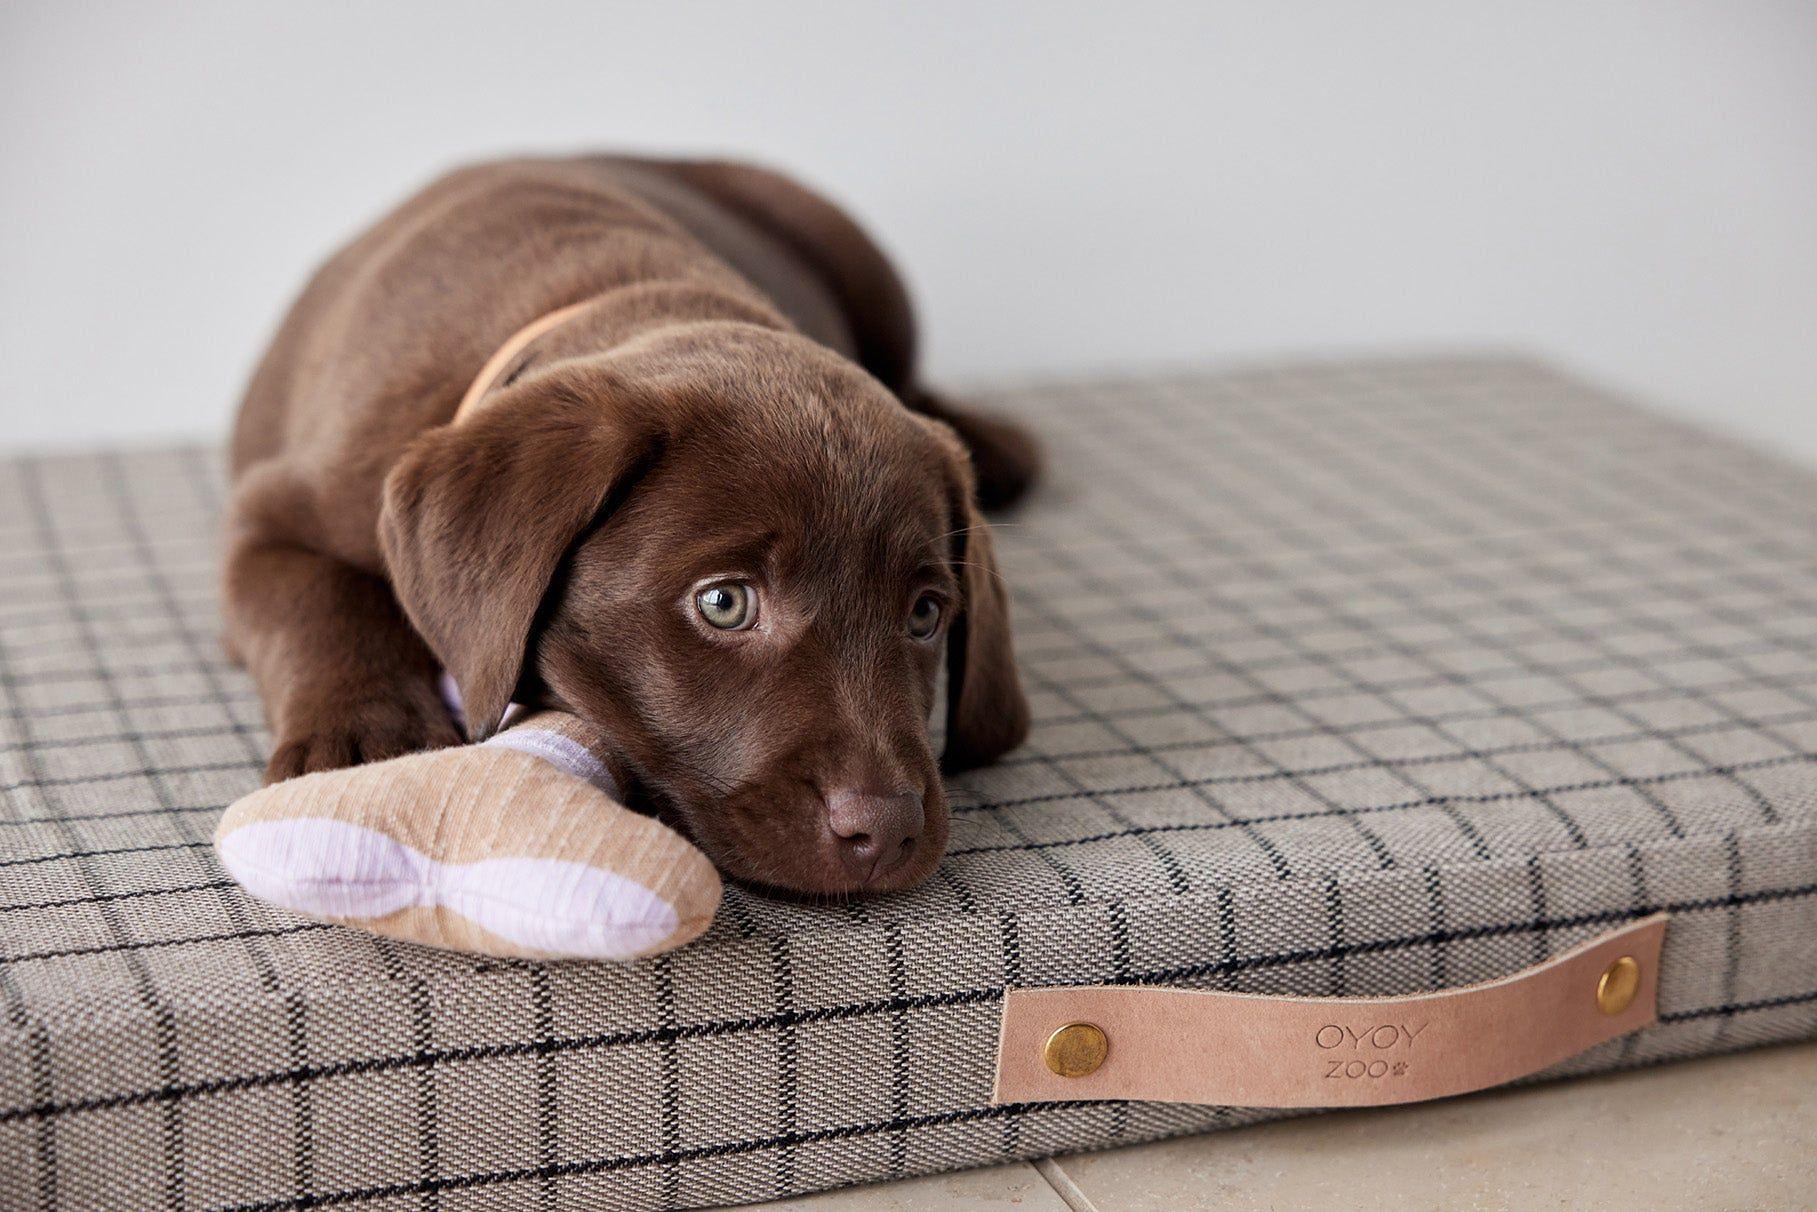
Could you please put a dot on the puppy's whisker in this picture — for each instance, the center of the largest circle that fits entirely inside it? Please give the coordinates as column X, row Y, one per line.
column 941, row 538
column 994, row 572
column 974, row 526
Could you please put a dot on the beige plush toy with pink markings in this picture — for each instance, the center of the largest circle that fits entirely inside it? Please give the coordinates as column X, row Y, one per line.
column 514, row 847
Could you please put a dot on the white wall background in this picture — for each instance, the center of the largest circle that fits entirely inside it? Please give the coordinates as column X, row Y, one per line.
column 1630, row 187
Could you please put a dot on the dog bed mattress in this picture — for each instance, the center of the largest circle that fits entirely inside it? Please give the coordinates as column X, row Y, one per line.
column 1350, row 678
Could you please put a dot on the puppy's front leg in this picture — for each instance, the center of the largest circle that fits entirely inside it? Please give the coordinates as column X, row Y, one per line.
column 344, row 677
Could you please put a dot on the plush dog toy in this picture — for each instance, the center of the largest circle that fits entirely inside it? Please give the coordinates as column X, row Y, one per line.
column 514, row 847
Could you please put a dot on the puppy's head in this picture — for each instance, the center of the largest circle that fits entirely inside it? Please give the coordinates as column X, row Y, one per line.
column 742, row 557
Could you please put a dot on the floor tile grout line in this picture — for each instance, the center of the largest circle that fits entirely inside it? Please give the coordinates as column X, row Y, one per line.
column 1062, row 1184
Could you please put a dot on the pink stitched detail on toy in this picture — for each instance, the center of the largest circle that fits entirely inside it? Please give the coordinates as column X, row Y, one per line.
column 325, row 867
column 559, row 907
column 334, row 869
column 564, row 753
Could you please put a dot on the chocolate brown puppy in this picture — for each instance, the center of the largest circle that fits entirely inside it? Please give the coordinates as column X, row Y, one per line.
column 710, row 508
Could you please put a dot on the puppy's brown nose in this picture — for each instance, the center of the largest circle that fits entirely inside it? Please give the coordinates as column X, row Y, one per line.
column 875, row 833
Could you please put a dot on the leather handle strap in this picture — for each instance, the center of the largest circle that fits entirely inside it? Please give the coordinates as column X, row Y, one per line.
column 1245, row 1050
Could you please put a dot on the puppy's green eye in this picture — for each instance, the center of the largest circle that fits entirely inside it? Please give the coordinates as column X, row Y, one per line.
column 924, row 617
column 729, row 605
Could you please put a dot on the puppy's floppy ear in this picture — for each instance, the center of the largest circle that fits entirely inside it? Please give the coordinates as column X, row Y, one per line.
column 986, row 712
column 478, row 516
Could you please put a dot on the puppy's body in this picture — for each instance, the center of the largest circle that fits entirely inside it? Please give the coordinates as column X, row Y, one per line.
column 730, row 400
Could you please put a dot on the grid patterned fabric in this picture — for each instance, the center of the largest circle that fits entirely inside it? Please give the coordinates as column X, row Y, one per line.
column 1349, row 678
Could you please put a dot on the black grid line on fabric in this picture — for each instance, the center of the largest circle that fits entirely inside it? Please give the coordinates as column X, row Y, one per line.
column 136, row 894
column 1129, row 745
column 782, row 982
column 1197, row 787
column 302, row 1101
column 1434, row 721
column 1466, row 749
column 897, row 1124
column 1432, row 681
column 175, row 1177
column 1411, row 606
column 1168, row 862
column 899, row 1048
column 162, row 599
column 1667, row 585
column 427, row 1108
column 40, row 1062
column 1305, row 549
column 1637, row 876
column 668, row 1161
column 1438, row 924
column 1764, row 723
column 1136, row 487
column 1538, row 907
column 1597, row 641
column 1069, row 879
column 1794, row 759
column 1378, row 543
column 75, row 852
column 1412, row 683
column 126, row 513
column 1698, row 694
column 548, row 1108
column 1009, row 941
column 668, row 1040
column 117, row 478
column 218, row 667
column 1729, row 1011
column 149, row 770
column 894, row 1123
column 966, row 899
column 673, row 1032
column 735, row 909
column 1334, row 926
column 130, row 947
column 101, row 668
column 1023, row 844
column 1366, row 758
column 166, row 1042
column 1731, row 968
column 149, row 734
column 1122, row 965
column 232, row 698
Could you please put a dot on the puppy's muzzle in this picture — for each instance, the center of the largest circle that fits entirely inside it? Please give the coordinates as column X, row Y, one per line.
column 874, row 835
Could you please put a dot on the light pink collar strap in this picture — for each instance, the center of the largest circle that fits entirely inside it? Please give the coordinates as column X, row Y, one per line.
column 495, row 366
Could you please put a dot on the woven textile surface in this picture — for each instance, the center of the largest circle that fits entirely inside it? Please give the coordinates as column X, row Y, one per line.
column 1349, row 678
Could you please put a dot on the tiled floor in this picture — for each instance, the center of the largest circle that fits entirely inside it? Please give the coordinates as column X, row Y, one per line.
column 1730, row 1132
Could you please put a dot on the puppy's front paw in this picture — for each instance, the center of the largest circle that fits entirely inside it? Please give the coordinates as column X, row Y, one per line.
column 356, row 732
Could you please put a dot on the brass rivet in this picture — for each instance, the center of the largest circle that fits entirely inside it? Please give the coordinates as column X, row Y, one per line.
column 1076, row 1049
column 1619, row 983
